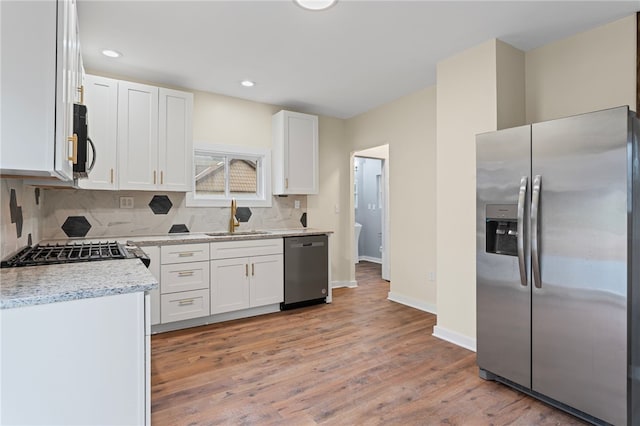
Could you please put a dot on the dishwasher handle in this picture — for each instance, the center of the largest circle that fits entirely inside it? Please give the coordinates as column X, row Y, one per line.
column 313, row 244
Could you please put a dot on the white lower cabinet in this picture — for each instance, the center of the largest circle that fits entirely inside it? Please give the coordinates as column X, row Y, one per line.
column 204, row 279
column 154, row 267
column 267, row 280
column 253, row 280
column 184, row 305
column 184, row 282
column 80, row 362
column 229, row 285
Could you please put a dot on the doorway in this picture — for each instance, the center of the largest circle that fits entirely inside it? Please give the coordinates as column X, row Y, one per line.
column 370, row 191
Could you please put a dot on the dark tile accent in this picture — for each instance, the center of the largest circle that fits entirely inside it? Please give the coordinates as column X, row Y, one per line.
column 243, row 214
column 29, row 240
column 160, row 204
column 37, row 194
column 13, row 206
column 76, row 226
column 19, row 221
column 303, row 219
column 179, row 228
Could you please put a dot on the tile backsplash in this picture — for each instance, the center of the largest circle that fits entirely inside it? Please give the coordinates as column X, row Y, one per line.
column 21, row 214
column 95, row 214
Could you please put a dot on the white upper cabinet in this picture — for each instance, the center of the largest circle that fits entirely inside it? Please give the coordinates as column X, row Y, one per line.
column 154, row 138
column 175, row 140
column 142, row 134
column 101, row 98
column 41, row 68
column 137, row 136
column 295, row 153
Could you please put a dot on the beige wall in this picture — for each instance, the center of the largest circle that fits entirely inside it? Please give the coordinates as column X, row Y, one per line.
column 231, row 121
column 407, row 125
column 510, row 80
column 321, row 208
column 589, row 71
column 467, row 105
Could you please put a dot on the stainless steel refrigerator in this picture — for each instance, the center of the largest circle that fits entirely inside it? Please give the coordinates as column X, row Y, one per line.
column 558, row 262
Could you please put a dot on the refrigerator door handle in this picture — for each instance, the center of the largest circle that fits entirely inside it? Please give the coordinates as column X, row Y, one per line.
column 522, row 197
column 535, row 251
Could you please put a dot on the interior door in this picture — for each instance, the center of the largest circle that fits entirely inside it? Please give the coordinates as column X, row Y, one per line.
column 579, row 305
column 503, row 294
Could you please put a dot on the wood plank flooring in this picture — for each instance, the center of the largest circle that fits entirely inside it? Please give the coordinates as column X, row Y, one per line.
column 362, row 360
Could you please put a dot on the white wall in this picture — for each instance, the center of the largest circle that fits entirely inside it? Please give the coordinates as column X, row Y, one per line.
column 408, row 126
column 589, row 71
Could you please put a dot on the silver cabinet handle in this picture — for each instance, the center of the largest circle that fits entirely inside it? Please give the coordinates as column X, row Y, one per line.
column 535, row 250
column 185, row 302
column 185, row 254
column 185, row 273
column 522, row 199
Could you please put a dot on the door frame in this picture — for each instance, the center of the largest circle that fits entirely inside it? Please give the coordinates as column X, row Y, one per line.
column 380, row 152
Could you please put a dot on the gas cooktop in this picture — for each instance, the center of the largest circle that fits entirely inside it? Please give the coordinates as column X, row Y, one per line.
column 48, row 254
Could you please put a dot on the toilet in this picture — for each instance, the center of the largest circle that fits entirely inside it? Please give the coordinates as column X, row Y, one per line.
column 356, row 238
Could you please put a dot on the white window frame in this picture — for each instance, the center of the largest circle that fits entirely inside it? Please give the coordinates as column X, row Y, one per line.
column 263, row 196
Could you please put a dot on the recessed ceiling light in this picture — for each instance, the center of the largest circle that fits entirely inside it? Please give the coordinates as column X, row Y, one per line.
column 111, row 53
column 315, row 4
column 247, row 83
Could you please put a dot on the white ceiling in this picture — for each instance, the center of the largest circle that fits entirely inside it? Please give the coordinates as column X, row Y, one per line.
column 340, row 62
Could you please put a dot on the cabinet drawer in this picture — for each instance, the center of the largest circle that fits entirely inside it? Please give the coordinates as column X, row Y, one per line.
column 245, row 248
column 184, row 305
column 182, row 253
column 184, row 276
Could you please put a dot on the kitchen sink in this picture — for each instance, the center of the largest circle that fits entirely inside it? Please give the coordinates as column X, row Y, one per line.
column 228, row 234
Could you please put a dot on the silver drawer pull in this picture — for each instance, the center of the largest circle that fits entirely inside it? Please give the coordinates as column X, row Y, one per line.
column 185, row 302
column 185, row 273
column 186, row 254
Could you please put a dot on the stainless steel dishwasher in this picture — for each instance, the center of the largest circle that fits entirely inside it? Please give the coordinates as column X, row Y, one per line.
column 306, row 271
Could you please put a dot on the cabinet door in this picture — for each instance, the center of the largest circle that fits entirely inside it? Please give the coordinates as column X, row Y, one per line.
column 33, row 138
column 98, row 347
column 137, row 136
column 67, row 88
column 154, row 267
column 229, row 285
column 295, row 159
column 267, row 280
column 101, row 98
column 175, row 154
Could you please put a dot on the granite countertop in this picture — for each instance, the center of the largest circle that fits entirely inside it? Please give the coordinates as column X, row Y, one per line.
column 202, row 237
column 36, row 285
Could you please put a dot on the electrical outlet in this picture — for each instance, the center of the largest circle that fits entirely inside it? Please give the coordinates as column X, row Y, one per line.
column 296, row 204
column 432, row 276
column 126, row 202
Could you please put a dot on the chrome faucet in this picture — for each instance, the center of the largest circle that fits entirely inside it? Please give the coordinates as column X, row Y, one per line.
column 233, row 222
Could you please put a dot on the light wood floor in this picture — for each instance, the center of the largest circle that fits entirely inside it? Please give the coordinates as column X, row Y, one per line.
column 361, row 360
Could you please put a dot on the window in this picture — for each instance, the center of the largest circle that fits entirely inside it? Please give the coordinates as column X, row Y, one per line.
column 224, row 172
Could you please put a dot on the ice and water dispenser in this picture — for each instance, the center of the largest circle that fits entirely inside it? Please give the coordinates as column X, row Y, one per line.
column 502, row 229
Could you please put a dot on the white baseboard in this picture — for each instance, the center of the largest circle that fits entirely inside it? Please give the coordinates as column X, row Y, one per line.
column 414, row 303
column 371, row 259
column 455, row 338
column 338, row 284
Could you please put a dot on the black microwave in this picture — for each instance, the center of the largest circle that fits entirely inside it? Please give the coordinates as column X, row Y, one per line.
column 81, row 166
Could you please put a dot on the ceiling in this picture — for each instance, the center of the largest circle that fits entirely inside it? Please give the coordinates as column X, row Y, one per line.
column 340, row 62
